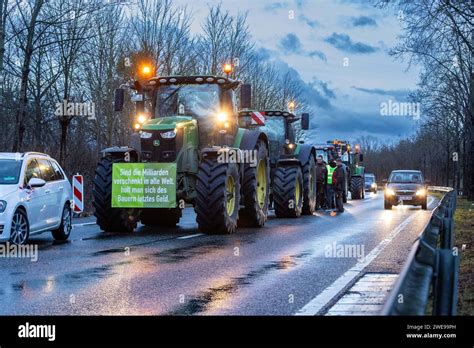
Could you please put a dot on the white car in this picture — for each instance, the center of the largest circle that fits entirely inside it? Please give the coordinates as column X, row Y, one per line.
column 35, row 197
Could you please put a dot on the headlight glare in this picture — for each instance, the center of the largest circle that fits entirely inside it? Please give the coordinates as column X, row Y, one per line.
column 390, row 192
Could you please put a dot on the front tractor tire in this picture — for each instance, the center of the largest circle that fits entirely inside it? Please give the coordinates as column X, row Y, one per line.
column 309, row 186
column 288, row 192
column 357, row 187
column 110, row 219
column 255, row 190
column 218, row 196
column 161, row 217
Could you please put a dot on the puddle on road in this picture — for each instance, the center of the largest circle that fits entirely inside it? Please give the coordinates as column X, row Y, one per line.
column 211, row 298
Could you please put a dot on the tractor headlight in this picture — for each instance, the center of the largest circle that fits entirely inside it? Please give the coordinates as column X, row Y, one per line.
column 168, row 135
column 145, row 135
column 421, row 192
column 222, row 117
column 3, row 206
column 390, row 192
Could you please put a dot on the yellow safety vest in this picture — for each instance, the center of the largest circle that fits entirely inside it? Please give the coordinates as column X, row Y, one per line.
column 330, row 171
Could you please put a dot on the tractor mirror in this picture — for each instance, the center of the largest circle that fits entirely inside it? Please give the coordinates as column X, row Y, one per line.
column 245, row 96
column 119, row 99
column 305, row 121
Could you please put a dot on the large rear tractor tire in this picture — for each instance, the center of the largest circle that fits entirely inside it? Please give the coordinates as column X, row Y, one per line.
column 218, row 196
column 161, row 217
column 256, row 190
column 110, row 219
column 309, row 185
column 288, row 192
column 357, row 187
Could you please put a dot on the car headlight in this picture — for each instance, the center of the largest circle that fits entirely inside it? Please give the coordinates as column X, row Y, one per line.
column 3, row 206
column 373, row 185
column 390, row 192
column 168, row 135
column 421, row 192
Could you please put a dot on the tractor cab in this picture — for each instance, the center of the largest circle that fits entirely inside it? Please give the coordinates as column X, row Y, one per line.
column 169, row 104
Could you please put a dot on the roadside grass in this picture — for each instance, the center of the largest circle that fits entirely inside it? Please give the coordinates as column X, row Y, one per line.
column 464, row 229
column 438, row 195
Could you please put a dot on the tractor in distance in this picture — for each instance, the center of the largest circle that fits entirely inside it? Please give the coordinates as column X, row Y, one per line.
column 186, row 128
column 352, row 160
column 292, row 163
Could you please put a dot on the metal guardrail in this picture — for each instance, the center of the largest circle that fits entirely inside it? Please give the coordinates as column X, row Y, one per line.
column 433, row 263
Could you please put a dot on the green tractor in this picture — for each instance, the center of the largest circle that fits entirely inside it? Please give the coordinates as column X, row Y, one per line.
column 293, row 165
column 187, row 127
column 355, row 171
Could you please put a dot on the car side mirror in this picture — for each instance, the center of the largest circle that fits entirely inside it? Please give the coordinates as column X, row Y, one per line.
column 36, row 182
column 119, row 99
column 305, row 121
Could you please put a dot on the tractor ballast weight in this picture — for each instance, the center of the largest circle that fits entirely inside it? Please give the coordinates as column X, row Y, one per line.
column 190, row 122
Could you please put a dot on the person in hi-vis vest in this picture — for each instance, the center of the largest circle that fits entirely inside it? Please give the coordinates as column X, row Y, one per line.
column 331, row 167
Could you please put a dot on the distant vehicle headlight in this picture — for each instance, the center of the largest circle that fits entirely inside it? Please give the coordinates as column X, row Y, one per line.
column 3, row 206
column 374, row 185
column 390, row 192
column 168, row 135
column 421, row 192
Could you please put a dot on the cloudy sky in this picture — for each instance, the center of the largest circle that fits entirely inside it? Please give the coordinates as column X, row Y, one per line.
column 339, row 48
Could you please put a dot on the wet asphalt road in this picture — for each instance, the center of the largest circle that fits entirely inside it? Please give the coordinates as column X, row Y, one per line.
column 276, row 270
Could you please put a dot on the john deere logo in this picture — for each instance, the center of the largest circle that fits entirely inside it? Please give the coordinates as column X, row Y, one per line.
column 156, row 142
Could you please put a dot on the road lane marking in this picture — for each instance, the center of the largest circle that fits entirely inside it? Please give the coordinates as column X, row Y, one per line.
column 191, row 236
column 319, row 302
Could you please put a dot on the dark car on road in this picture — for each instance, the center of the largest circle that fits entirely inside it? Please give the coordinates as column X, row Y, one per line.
column 370, row 183
column 406, row 187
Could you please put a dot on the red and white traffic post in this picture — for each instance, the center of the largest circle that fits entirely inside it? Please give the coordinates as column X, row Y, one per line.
column 78, row 193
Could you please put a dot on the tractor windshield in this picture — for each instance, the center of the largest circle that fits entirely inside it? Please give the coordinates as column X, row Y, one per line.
column 191, row 100
column 320, row 152
column 276, row 125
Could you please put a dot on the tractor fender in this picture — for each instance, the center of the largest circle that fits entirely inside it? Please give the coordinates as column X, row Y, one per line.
column 121, row 151
column 305, row 153
column 250, row 139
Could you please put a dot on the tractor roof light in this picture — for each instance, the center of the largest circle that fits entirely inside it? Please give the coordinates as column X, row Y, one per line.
column 227, row 68
column 146, row 71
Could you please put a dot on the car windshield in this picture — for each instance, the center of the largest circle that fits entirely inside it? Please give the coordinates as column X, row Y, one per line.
column 405, row 177
column 369, row 179
column 190, row 100
column 9, row 171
